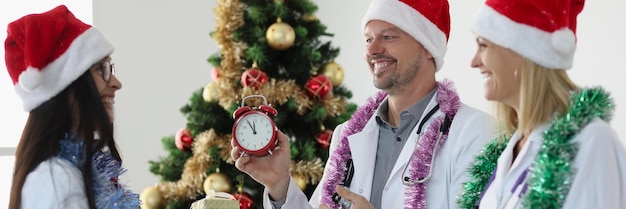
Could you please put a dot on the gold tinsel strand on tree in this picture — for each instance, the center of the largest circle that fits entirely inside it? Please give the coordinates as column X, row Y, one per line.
column 311, row 170
column 278, row 93
column 334, row 106
column 229, row 17
column 195, row 169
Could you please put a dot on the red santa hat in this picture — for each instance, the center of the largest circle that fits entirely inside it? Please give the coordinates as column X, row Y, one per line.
column 46, row 52
column 542, row 31
column 428, row 21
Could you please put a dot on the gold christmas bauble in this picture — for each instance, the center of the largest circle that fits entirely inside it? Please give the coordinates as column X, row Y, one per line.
column 218, row 182
column 151, row 199
column 210, row 92
column 280, row 35
column 300, row 181
column 334, row 72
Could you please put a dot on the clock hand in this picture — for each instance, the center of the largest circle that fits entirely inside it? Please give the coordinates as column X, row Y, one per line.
column 252, row 127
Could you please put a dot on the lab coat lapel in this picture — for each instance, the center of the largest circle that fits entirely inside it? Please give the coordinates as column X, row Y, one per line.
column 503, row 168
column 363, row 146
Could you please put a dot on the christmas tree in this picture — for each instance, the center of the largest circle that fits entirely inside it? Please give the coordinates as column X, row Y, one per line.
column 274, row 49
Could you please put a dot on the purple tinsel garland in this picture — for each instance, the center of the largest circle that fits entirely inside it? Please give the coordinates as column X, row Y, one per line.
column 450, row 104
column 420, row 163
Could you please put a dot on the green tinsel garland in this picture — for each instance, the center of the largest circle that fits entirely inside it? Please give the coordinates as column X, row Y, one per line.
column 550, row 177
column 480, row 172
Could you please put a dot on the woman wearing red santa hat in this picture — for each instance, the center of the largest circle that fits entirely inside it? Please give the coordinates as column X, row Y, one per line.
column 557, row 149
column 66, row 158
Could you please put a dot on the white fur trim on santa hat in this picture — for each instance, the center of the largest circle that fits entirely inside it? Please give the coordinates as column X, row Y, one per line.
column 550, row 50
column 87, row 49
column 412, row 22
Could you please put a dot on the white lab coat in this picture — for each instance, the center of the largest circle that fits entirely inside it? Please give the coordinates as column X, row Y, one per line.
column 599, row 170
column 471, row 129
column 54, row 184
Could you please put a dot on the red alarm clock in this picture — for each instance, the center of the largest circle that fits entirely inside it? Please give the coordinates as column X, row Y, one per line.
column 254, row 131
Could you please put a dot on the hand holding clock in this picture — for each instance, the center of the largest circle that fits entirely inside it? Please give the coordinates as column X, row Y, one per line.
column 263, row 152
column 271, row 170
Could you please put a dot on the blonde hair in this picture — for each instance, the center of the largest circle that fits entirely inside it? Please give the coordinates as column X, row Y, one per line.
column 544, row 92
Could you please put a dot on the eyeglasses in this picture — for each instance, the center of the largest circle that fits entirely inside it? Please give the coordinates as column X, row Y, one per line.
column 106, row 69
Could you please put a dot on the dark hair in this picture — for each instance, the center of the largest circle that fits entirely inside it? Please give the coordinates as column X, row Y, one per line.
column 47, row 125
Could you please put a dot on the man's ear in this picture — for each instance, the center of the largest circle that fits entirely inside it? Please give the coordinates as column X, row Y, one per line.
column 428, row 54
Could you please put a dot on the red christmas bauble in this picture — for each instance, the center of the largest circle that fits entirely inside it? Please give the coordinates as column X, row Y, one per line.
column 324, row 138
column 245, row 200
column 183, row 139
column 253, row 78
column 215, row 73
column 318, row 86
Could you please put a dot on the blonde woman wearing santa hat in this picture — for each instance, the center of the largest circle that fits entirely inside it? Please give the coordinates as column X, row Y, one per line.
column 409, row 145
column 66, row 158
column 557, row 149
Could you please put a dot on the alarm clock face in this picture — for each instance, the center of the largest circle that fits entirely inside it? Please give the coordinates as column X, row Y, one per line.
column 254, row 131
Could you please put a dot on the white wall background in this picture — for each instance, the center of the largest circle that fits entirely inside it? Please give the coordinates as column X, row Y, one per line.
column 162, row 47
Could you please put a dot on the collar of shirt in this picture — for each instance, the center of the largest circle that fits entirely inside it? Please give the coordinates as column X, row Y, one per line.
column 416, row 110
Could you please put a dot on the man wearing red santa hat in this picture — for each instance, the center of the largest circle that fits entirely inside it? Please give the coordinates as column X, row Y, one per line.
column 406, row 147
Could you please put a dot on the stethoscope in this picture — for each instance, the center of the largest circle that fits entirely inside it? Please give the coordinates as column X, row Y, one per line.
column 406, row 180
column 443, row 129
